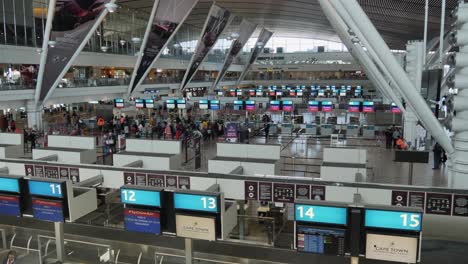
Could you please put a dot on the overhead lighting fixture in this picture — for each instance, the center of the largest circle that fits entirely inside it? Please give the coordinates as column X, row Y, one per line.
column 177, row 46
column 104, row 48
column 52, row 43
column 111, row 7
column 122, row 42
column 228, row 38
column 235, row 35
column 39, row 51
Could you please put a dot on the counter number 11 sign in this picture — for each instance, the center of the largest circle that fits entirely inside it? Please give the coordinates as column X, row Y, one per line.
column 321, row 214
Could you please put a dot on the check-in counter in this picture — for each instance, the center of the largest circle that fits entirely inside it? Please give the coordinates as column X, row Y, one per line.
column 250, row 165
column 286, row 129
column 154, row 161
column 11, row 145
column 344, row 165
column 368, row 131
column 67, row 155
column 326, row 130
column 352, row 130
column 311, row 129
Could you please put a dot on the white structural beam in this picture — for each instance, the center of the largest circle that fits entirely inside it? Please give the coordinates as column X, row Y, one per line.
column 45, row 49
column 358, row 52
column 407, row 88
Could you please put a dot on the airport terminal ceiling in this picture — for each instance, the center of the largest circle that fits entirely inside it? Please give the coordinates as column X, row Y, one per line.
column 397, row 20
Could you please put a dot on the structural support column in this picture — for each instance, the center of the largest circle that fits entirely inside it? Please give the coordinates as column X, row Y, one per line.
column 188, row 251
column 59, row 241
column 362, row 21
column 360, row 54
column 34, row 116
column 414, row 68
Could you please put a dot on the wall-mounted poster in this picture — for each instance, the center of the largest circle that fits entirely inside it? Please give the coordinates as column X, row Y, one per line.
column 171, row 181
column 64, row 173
column 156, row 180
column 251, row 190
column 302, row 191
column 184, row 183
column 283, row 192
column 265, row 191
column 140, row 179
column 317, row 193
column 39, row 171
column 28, row 170
column 439, row 203
column 51, row 172
column 129, row 178
column 399, row 198
column 460, row 205
column 417, row 199
column 75, row 175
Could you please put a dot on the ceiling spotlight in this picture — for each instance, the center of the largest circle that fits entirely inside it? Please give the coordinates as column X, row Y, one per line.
column 104, row 48
column 228, row 38
column 177, row 46
column 52, row 43
column 122, row 42
column 235, row 35
column 39, row 51
column 136, row 40
column 111, row 7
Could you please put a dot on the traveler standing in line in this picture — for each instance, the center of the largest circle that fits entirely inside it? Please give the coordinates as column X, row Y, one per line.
column 437, row 156
column 267, row 131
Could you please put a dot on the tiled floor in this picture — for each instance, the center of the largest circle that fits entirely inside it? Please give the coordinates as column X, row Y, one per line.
column 302, row 157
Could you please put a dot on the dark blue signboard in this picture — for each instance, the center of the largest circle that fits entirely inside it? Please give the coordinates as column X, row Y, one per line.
column 143, row 221
column 48, row 210
column 9, row 205
column 214, row 105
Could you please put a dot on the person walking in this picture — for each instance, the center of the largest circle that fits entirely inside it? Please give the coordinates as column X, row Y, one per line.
column 267, row 131
column 437, row 156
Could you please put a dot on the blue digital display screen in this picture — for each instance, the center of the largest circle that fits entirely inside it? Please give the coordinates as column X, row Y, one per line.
column 204, row 203
column 394, row 220
column 9, row 205
column 143, row 221
column 140, row 197
column 51, row 189
column 48, row 210
column 321, row 214
column 9, row 185
column 214, row 105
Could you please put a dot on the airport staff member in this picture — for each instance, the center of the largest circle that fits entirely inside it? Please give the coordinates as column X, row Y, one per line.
column 11, row 258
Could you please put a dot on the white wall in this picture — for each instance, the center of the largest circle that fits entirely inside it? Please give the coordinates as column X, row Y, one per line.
column 74, row 142
column 345, row 155
column 67, row 157
column 11, row 139
column 252, row 151
column 153, row 163
column 153, row 146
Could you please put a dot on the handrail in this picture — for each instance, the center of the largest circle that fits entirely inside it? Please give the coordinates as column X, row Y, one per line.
column 29, row 244
column 46, row 250
column 199, row 259
column 139, row 257
column 117, row 257
column 12, row 240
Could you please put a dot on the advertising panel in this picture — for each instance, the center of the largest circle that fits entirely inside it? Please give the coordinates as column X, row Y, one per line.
column 246, row 30
column 399, row 198
column 283, row 192
column 275, row 106
column 48, row 210
column 460, row 205
column 139, row 103
column 169, row 16
column 29, row 170
column 231, row 132
column 265, row 192
column 144, row 221
column 250, row 105
column 202, row 228
column 302, row 192
column 327, row 107
column 368, row 107
column 262, row 40
column 119, row 103
column 439, row 203
column 217, row 20
column 73, row 20
column 392, row 248
column 155, row 180
column 354, row 107
column 51, row 172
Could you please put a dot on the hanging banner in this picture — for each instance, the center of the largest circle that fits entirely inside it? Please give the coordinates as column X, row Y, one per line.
column 245, row 32
column 218, row 19
column 72, row 23
column 262, row 40
column 169, row 16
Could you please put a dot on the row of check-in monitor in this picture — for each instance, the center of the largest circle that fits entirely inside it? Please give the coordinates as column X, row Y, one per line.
column 328, row 228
